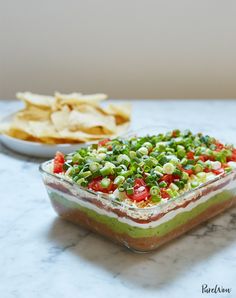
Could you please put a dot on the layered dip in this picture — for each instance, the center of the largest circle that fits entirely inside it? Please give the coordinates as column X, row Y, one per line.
column 143, row 191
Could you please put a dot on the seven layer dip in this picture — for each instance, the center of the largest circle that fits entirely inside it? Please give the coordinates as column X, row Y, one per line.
column 143, row 191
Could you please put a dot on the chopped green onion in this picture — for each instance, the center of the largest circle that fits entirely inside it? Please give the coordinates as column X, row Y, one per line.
column 185, row 176
column 156, row 199
column 121, row 188
column 132, row 154
column 178, row 172
column 173, row 186
column 184, row 161
column 159, row 169
column 220, row 157
column 170, row 192
column 180, row 184
column 86, row 174
column 102, row 150
column 143, row 150
column 161, row 147
column 119, row 179
column 155, row 190
column 105, row 171
column 216, row 165
column 227, row 152
column 162, row 184
column 198, row 168
column 181, row 152
column 209, row 152
column 201, row 175
column 194, row 184
column 148, row 145
column 123, row 158
column 82, row 182
column 213, row 147
column 168, row 168
column 130, row 191
column 126, row 173
column 109, row 164
column 76, row 158
column 94, row 167
column 101, row 156
column 228, row 169
column 105, row 182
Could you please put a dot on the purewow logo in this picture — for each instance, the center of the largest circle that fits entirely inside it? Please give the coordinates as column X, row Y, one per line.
column 217, row 289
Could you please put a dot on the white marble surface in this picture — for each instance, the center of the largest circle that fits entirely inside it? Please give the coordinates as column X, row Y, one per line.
column 43, row 256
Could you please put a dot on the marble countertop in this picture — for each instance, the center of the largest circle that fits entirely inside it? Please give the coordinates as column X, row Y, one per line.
column 44, row 256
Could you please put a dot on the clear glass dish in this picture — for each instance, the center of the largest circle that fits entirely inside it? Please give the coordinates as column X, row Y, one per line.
column 140, row 229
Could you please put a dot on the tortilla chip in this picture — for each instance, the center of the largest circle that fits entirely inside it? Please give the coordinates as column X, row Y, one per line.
column 78, row 99
column 19, row 134
column 86, row 121
column 60, row 119
column 20, row 125
column 34, row 113
column 122, row 112
column 82, row 136
column 43, row 101
column 43, row 129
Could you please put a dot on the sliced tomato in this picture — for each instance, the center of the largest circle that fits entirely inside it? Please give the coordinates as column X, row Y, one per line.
column 95, row 185
column 224, row 165
column 212, row 158
column 174, row 134
column 164, row 193
column 141, row 191
column 103, row 142
column 168, row 178
column 190, row 171
column 175, row 177
column 58, row 163
column 218, row 172
column 233, row 157
column 190, row 155
column 202, row 158
column 207, row 170
column 219, row 146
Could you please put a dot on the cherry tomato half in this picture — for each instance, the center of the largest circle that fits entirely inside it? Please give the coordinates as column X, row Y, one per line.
column 103, row 142
column 141, row 191
column 164, row 194
column 190, row 155
column 58, row 163
column 95, row 185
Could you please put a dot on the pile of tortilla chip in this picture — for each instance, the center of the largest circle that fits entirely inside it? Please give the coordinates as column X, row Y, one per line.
column 67, row 118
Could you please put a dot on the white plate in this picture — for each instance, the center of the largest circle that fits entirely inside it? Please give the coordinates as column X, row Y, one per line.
column 35, row 149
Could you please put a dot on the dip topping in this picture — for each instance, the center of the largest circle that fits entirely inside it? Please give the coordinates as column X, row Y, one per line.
column 147, row 170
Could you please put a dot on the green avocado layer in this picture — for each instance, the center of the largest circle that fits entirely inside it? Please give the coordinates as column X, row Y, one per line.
column 136, row 232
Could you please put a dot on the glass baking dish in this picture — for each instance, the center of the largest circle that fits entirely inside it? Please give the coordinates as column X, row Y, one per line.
column 140, row 229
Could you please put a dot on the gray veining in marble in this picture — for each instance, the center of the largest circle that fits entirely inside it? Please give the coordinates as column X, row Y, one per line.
column 42, row 256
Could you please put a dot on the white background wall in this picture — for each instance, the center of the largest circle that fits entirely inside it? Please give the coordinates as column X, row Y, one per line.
column 127, row 48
